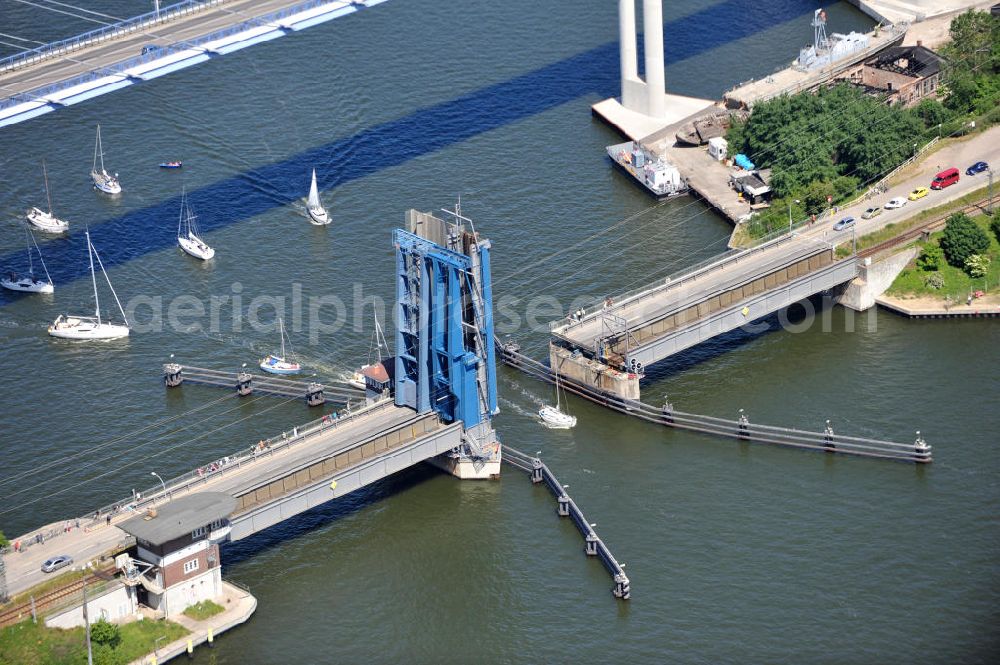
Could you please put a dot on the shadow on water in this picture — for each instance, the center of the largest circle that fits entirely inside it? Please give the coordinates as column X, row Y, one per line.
column 734, row 339
column 322, row 515
column 424, row 131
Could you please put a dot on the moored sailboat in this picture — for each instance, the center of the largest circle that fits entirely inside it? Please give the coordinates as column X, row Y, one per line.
column 75, row 327
column 553, row 417
column 187, row 234
column 29, row 283
column 378, row 343
column 46, row 221
column 103, row 181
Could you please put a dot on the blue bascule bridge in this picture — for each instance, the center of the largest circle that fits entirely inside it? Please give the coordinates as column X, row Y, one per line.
column 444, row 331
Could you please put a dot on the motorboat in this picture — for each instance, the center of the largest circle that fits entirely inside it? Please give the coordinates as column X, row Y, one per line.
column 171, row 165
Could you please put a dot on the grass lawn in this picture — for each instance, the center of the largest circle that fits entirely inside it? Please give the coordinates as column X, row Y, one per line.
column 203, row 610
column 27, row 642
column 957, row 284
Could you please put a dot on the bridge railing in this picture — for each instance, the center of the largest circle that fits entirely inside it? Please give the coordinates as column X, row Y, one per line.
column 40, row 93
column 105, row 33
column 676, row 278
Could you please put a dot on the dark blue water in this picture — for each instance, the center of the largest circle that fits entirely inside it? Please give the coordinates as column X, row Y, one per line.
column 736, row 553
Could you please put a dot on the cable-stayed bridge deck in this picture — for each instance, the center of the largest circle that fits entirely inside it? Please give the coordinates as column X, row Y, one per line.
column 647, row 325
column 120, row 54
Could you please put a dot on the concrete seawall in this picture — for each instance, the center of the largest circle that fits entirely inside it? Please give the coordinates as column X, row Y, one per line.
column 874, row 277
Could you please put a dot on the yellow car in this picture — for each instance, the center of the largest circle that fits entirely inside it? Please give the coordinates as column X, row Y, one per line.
column 918, row 193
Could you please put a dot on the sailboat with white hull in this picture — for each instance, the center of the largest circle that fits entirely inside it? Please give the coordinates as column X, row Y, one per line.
column 553, row 417
column 103, row 181
column 46, row 221
column 318, row 216
column 187, row 234
column 29, row 283
column 74, row 327
column 280, row 364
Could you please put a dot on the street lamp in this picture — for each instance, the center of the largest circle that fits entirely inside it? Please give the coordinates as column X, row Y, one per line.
column 163, row 484
column 790, row 214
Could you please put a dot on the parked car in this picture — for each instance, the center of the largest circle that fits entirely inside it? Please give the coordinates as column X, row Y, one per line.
column 56, row 562
column 944, row 179
column 897, row 202
column 918, row 193
column 978, row 167
column 872, row 212
column 845, row 223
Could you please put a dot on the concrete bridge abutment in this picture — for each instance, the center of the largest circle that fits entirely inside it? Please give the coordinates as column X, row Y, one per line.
column 593, row 373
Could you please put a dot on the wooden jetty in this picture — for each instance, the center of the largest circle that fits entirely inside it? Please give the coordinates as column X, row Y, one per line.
column 246, row 383
column 594, row 546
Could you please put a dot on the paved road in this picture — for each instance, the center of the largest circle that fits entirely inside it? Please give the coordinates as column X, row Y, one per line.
column 981, row 147
column 122, row 48
column 92, row 540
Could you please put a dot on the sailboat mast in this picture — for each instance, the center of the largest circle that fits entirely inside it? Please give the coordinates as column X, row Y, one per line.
column 97, row 145
column 107, row 279
column 180, row 215
column 93, row 277
column 281, row 330
column 48, row 196
column 28, row 240
column 41, row 259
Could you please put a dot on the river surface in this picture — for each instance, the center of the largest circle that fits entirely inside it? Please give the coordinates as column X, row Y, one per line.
column 736, row 553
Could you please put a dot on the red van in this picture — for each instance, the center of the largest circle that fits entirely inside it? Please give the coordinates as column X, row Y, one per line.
column 945, row 178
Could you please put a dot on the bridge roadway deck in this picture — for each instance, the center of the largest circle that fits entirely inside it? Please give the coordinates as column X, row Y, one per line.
column 93, row 539
column 666, row 296
column 106, row 54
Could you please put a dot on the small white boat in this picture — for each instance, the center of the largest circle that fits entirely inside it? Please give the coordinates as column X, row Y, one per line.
column 74, row 327
column 46, row 221
column 378, row 343
column 280, row 364
column 553, row 417
column 103, row 181
column 29, row 283
column 187, row 234
column 318, row 215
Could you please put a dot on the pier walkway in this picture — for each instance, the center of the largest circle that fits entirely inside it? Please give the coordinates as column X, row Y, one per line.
column 145, row 47
column 637, row 329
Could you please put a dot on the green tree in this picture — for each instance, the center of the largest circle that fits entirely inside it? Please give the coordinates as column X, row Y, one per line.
column 930, row 258
column 3, row 540
column 931, row 112
column 106, row 633
column 977, row 265
column 962, row 238
column 995, row 226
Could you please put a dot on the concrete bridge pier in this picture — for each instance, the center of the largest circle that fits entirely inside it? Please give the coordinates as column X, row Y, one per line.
column 593, row 373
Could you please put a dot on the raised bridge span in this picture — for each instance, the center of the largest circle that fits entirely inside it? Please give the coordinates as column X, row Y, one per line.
column 610, row 344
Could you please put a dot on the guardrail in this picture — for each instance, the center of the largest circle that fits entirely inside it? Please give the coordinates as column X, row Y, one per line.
column 742, row 429
column 227, row 464
column 678, row 277
column 106, row 33
column 39, row 94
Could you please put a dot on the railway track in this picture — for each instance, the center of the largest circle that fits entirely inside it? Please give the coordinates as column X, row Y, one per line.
column 927, row 227
column 46, row 600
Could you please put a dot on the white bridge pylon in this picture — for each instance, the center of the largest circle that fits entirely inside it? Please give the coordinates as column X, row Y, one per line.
column 648, row 97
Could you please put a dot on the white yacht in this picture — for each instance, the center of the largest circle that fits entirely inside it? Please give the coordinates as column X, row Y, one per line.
column 67, row 326
column 103, row 180
column 553, row 417
column 46, row 221
column 280, row 364
column 318, row 216
column 188, row 236
column 29, row 283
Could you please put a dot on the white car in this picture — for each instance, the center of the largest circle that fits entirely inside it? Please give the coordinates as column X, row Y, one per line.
column 897, row 202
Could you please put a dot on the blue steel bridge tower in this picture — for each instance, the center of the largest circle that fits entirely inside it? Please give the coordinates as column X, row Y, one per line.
column 444, row 333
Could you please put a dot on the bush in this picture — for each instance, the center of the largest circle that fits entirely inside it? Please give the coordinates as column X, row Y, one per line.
column 934, row 281
column 103, row 632
column 994, row 226
column 3, row 540
column 931, row 258
column 977, row 265
column 962, row 238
